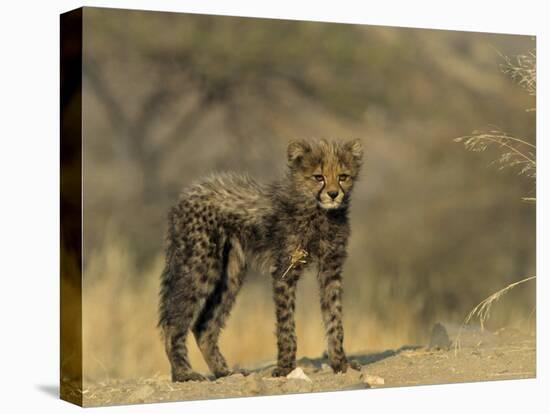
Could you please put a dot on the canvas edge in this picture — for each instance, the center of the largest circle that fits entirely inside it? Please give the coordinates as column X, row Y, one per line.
column 70, row 388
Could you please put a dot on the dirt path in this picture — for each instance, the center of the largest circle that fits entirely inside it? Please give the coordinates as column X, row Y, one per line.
column 506, row 354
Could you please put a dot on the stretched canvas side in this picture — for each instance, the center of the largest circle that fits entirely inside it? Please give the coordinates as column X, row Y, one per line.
column 71, row 207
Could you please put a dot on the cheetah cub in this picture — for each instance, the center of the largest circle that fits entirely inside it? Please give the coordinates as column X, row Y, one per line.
column 227, row 222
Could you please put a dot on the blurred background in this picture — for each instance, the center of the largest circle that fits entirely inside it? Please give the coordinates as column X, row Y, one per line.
column 169, row 97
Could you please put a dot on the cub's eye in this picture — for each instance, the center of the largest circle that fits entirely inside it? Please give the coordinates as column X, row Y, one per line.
column 343, row 177
column 319, row 177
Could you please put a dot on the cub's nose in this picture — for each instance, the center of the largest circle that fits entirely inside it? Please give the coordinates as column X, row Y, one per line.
column 332, row 194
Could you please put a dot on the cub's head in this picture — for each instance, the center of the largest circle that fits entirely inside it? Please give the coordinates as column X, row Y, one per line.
column 325, row 170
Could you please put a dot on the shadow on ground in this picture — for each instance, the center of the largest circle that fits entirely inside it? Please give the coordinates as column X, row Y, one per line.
column 50, row 389
column 363, row 359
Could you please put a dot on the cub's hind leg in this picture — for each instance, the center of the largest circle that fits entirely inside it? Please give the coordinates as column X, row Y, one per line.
column 175, row 337
column 217, row 307
column 183, row 297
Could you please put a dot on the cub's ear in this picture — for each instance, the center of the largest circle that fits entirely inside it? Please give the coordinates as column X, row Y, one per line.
column 355, row 148
column 296, row 151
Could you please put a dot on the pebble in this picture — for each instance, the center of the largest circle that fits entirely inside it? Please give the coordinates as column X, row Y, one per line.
column 298, row 374
column 325, row 368
column 371, row 380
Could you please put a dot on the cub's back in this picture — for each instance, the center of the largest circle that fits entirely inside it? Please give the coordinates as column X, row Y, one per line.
column 228, row 201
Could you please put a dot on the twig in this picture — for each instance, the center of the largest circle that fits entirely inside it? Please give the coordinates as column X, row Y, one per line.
column 297, row 256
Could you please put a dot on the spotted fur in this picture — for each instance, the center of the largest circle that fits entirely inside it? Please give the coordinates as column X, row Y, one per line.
column 227, row 222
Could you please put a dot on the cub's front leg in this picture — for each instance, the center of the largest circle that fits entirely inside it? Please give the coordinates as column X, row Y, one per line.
column 284, row 295
column 330, row 286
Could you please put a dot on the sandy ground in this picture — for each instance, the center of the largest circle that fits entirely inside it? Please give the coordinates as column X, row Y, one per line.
column 505, row 354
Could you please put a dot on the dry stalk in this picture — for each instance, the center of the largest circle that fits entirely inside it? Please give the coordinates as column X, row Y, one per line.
column 517, row 152
column 523, row 70
column 483, row 309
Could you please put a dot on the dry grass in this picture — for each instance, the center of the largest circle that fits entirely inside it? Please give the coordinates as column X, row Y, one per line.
column 482, row 310
column 523, row 70
column 518, row 153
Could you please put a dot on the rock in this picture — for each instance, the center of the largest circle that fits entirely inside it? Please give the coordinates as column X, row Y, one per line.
column 439, row 339
column 371, row 380
column 326, row 368
column 298, row 374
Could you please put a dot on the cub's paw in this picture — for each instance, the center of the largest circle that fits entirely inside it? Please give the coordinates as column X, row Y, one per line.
column 353, row 364
column 340, row 365
column 242, row 371
column 281, row 371
column 228, row 373
column 222, row 373
column 183, row 376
